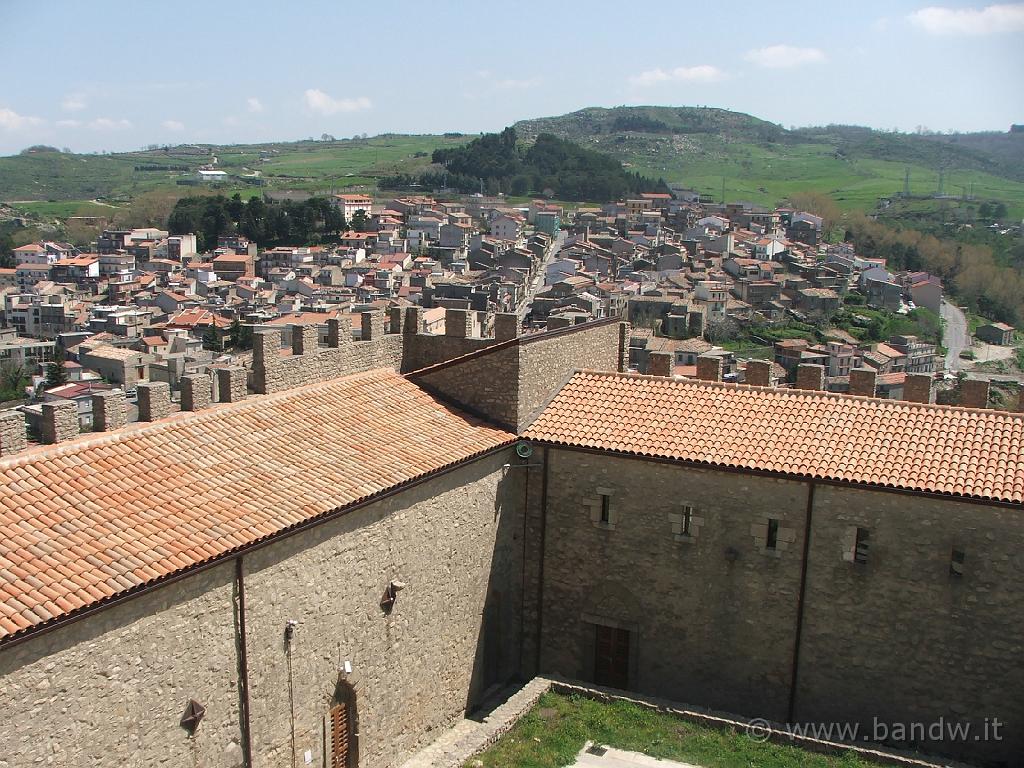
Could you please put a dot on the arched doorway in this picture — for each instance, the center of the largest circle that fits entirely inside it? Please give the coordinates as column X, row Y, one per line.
column 342, row 734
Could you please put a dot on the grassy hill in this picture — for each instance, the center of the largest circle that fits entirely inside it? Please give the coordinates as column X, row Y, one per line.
column 762, row 162
column 701, row 148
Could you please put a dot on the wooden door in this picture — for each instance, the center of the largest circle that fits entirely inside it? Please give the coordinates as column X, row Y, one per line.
column 340, row 736
column 611, row 657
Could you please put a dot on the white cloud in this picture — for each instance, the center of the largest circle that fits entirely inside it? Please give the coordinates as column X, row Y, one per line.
column 68, row 123
column 173, row 125
column 12, row 121
column 74, row 102
column 701, row 73
column 107, row 124
column 991, row 19
column 784, row 56
column 253, row 104
column 318, row 101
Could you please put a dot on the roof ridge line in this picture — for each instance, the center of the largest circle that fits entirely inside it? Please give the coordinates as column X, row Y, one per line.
column 812, row 392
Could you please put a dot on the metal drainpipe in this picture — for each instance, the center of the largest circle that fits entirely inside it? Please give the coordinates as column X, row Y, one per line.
column 243, row 666
column 800, row 604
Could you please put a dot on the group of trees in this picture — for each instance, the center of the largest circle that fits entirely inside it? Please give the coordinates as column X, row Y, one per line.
column 498, row 163
column 288, row 223
column 971, row 272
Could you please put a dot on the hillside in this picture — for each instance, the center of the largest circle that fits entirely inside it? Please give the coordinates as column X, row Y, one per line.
column 761, row 162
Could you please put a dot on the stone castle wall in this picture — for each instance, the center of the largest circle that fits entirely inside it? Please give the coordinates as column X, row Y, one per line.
column 110, row 688
column 714, row 615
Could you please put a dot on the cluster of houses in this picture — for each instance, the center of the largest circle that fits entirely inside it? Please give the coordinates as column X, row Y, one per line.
column 144, row 305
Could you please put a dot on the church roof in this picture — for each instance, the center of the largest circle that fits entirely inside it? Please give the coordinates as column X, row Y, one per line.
column 85, row 521
column 887, row 443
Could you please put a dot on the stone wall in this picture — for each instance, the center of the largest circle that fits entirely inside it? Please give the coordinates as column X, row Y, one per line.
column 454, row 543
column 60, row 421
column 713, row 614
column 110, row 689
column 509, row 382
column 903, row 639
column 13, row 436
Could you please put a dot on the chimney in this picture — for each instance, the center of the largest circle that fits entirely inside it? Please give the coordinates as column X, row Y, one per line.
column 506, row 326
column 155, row 399
column 305, row 339
column 624, row 331
column 709, row 368
column 457, row 323
column 810, row 376
column 659, row 364
column 974, row 393
column 413, row 321
column 396, row 317
column 557, row 321
column 339, row 331
column 196, row 391
column 60, row 421
column 372, row 325
column 862, row 382
column 231, row 384
column 109, row 410
column 759, row 373
column 917, row 388
column 12, row 433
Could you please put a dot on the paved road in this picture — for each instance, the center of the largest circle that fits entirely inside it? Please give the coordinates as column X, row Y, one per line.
column 955, row 337
column 538, row 280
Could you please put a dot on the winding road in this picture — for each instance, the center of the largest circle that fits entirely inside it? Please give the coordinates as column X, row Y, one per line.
column 955, row 336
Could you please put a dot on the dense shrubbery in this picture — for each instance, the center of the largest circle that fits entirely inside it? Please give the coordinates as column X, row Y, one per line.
column 495, row 162
column 286, row 223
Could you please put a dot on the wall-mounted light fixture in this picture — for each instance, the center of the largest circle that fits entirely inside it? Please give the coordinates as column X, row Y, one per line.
column 289, row 629
column 387, row 602
column 192, row 716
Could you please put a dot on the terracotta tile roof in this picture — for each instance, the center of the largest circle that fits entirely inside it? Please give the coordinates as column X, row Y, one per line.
column 89, row 519
column 941, row 449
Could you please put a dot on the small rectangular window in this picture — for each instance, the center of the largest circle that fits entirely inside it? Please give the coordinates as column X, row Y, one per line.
column 956, row 562
column 606, row 508
column 773, row 534
column 860, row 550
column 687, row 520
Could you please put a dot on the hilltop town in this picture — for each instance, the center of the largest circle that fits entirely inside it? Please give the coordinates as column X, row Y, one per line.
column 734, row 282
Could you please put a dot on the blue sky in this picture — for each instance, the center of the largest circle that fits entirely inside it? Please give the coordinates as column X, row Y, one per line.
column 116, row 75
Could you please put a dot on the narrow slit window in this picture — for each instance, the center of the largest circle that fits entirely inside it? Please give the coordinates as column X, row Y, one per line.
column 860, row 550
column 606, row 508
column 772, row 541
column 956, row 562
column 687, row 521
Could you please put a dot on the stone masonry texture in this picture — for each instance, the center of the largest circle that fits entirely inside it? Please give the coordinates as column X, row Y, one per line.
column 196, row 391
column 110, row 689
column 759, row 373
column 506, row 326
column 154, row 400
column 659, row 364
column 974, row 393
column 231, row 384
column 862, row 382
column 60, row 421
column 899, row 638
column 810, row 376
column 109, row 410
column 709, row 368
column 13, row 436
column 919, row 388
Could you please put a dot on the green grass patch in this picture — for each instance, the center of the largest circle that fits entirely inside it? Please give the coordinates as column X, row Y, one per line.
column 553, row 732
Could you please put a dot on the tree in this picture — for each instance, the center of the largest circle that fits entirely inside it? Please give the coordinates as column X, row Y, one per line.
column 360, row 221
column 211, row 340
column 56, row 373
column 239, row 336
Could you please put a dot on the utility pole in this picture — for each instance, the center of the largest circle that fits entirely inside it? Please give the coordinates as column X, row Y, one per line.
column 723, row 190
column 906, row 182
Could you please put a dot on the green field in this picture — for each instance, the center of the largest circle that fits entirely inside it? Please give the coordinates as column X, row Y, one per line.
column 308, row 166
column 555, row 730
